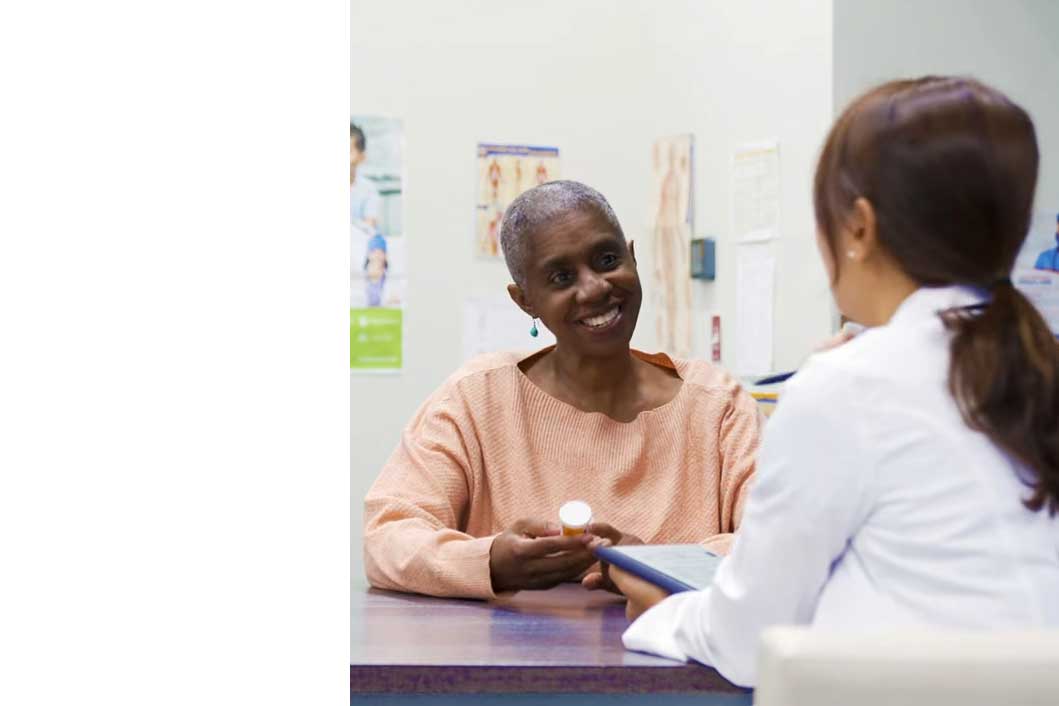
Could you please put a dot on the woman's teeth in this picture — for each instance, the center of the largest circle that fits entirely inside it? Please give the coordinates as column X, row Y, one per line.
column 602, row 319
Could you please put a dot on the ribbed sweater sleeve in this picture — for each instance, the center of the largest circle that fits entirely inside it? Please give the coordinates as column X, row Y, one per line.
column 739, row 439
column 420, row 496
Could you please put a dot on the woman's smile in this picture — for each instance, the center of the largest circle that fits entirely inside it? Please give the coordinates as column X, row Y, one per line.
column 604, row 321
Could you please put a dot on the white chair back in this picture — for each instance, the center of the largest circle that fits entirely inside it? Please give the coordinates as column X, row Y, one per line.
column 800, row 666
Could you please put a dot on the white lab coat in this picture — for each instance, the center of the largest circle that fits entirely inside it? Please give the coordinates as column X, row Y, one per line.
column 874, row 506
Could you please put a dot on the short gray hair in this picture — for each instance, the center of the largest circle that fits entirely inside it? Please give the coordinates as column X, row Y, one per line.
column 538, row 207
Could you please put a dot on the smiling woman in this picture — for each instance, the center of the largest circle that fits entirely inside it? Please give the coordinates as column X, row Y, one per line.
column 574, row 270
column 661, row 449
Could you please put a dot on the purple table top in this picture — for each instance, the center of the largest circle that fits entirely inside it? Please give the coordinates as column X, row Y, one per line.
column 566, row 639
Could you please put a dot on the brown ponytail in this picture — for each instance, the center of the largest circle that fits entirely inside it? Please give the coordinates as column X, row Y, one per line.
column 1004, row 376
column 950, row 167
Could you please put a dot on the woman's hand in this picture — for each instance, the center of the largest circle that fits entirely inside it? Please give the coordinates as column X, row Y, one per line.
column 607, row 536
column 534, row 555
column 641, row 594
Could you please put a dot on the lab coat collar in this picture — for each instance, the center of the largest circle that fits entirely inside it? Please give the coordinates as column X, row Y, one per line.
column 927, row 302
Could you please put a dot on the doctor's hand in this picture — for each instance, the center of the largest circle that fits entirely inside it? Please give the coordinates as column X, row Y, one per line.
column 605, row 535
column 641, row 594
column 534, row 555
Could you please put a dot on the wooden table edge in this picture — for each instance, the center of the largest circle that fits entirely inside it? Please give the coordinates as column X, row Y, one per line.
column 499, row 679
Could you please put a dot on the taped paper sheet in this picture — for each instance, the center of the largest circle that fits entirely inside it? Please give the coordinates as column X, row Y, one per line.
column 496, row 324
column 756, row 192
column 755, row 280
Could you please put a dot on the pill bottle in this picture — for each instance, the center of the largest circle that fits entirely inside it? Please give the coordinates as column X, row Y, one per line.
column 575, row 517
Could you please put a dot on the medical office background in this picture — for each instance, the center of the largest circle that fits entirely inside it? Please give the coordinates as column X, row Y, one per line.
column 601, row 82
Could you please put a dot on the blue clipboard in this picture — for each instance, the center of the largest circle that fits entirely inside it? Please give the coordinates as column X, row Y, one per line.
column 654, row 569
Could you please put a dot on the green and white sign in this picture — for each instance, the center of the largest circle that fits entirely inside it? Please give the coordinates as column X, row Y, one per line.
column 375, row 339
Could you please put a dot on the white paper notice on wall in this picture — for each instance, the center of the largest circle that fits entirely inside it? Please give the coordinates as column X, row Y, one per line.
column 755, row 278
column 756, row 192
column 1041, row 287
column 493, row 324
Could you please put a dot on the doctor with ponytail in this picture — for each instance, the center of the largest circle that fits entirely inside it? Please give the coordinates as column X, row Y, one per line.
column 911, row 476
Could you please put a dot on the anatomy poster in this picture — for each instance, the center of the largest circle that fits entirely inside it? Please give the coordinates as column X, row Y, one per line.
column 672, row 219
column 504, row 172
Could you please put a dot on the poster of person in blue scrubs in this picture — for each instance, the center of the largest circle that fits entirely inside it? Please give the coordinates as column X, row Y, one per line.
column 1049, row 259
column 375, row 267
column 377, row 277
column 1036, row 271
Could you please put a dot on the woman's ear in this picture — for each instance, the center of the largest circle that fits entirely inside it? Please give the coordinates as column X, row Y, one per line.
column 632, row 251
column 519, row 297
column 861, row 236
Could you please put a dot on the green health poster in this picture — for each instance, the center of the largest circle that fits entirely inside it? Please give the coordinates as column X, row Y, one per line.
column 378, row 273
column 375, row 339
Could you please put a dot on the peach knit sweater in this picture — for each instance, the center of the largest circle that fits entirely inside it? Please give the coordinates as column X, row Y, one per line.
column 490, row 447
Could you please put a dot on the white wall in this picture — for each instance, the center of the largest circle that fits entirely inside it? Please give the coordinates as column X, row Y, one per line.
column 736, row 72
column 1010, row 44
column 600, row 80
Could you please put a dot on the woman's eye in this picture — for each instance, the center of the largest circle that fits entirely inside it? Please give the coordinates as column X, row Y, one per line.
column 609, row 260
column 560, row 278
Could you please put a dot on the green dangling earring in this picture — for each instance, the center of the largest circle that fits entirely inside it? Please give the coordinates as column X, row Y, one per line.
column 533, row 330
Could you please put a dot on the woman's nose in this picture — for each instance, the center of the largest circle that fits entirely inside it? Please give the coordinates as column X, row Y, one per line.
column 593, row 286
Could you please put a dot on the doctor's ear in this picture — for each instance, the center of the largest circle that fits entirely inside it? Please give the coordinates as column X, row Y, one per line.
column 632, row 251
column 860, row 237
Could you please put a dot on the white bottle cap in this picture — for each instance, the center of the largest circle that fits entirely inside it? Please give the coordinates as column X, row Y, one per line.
column 575, row 516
